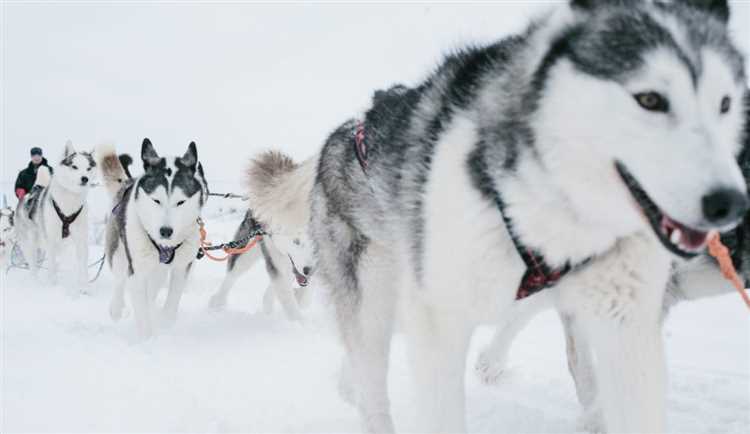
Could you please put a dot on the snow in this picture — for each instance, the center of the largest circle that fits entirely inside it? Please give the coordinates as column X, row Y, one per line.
column 238, row 78
column 68, row 368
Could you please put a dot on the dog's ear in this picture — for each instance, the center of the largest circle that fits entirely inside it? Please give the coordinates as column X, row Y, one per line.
column 69, row 149
column 717, row 8
column 190, row 159
column 148, row 154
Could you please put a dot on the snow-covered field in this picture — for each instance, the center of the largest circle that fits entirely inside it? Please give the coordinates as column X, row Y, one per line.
column 68, row 368
column 240, row 77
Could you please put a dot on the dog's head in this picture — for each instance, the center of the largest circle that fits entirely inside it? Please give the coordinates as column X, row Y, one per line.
column 169, row 195
column 76, row 169
column 642, row 101
column 298, row 247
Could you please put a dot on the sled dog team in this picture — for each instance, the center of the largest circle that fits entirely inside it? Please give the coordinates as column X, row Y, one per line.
column 580, row 165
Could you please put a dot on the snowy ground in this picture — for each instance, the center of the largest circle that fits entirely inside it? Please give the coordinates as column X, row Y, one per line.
column 68, row 368
column 237, row 78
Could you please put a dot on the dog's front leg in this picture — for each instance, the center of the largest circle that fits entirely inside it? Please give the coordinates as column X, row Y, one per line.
column 177, row 283
column 630, row 374
column 137, row 285
column 617, row 302
column 51, row 249
column 438, row 342
column 82, row 263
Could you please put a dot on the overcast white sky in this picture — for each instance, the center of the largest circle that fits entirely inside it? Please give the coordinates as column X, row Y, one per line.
column 235, row 77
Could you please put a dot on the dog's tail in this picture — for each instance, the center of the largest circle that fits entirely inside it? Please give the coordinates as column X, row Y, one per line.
column 279, row 189
column 113, row 168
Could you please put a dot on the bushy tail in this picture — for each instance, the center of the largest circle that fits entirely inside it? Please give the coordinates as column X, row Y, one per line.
column 279, row 189
column 113, row 168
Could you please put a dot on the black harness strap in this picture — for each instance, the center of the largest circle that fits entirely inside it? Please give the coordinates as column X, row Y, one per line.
column 538, row 275
column 66, row 220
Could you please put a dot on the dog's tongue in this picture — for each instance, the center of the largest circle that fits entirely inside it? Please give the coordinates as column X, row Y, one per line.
column 690, row 239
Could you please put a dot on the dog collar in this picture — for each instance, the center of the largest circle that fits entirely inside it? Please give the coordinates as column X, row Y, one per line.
column 166, row 254
column 66, row 220
column 538, row 275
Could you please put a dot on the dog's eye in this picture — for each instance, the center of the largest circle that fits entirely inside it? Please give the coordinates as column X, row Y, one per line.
column 89, row 169
column 156, row 201
column 726, row 104
column 119, row 180
column 180, row 203
column 74, row 167
column 652, row 101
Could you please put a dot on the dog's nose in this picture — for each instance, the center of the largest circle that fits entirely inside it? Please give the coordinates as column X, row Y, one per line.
column 724, row 206
column 84, row 180
column 306, row 271
column 165, row 232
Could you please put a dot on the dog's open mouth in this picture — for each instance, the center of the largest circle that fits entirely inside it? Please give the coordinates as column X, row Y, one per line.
column 678, row 238
column 301, row 279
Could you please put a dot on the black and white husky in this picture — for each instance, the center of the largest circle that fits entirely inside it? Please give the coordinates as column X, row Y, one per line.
column 7, row 234
column 279, row 191
column 153, row 232
column 557, row 155
column 55, row 212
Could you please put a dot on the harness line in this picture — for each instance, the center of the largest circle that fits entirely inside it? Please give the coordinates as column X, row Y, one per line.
column 721, row 253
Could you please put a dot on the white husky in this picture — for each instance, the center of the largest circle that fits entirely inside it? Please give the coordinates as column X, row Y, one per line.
column 53, row 214
column 279, row 191
column 153, row 232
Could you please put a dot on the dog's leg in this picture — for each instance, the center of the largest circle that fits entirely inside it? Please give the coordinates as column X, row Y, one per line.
column 492, row 360
column 269, row 299
column 284, row 292
column 630, row 374
column 581, row 367
column 177, row 283
column 365, row 313
column 52, row 263
column 280, row 272
column 617, row 303
column 117, row 304
column 237, row 266
column 438, row 342
column 137, row 286
column 82, row 262
column 29, row 251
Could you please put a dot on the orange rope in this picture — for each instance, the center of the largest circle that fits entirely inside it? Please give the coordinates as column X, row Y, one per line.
column 721, row 253
column 229, row 251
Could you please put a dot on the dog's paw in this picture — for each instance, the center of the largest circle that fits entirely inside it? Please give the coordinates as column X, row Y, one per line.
column 217, row 303
column 592, row 420
column 117, row 310
column 489, row 368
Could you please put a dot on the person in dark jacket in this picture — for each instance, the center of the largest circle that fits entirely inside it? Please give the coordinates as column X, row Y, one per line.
column 27, row 177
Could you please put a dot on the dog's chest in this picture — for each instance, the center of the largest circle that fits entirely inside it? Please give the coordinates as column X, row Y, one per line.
column 469, row 262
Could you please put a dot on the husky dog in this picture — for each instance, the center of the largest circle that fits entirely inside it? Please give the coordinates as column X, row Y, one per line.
column 557, row 155
column 153, row 232
column 279, row 191
column 281, row 264
column 691, row 280
column 7, row 237
column 55, row 213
